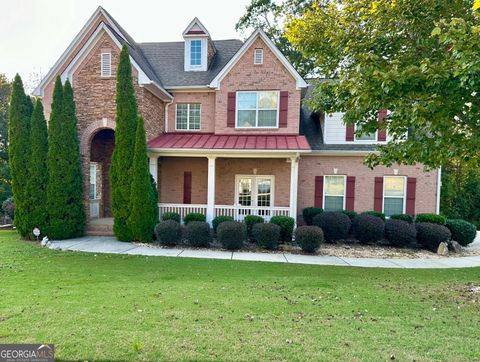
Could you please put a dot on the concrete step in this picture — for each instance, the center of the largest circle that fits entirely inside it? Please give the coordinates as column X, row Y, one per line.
column 100, row 228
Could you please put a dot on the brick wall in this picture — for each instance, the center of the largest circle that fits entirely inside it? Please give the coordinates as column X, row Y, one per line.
column 207, row 115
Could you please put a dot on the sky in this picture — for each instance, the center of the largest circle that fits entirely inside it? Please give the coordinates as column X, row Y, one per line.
column 34, row 33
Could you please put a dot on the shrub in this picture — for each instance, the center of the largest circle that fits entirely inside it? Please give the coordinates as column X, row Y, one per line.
column 266, row 235
column 430, row 235
column 404, row 217
column 400, row 233
column 379, row 214
column 309, row 213
column 218, row 220
column 309, row 238
column 194, row 216
column 431, row 218
column 168, row 232
column 250, row 221
column 8, row 207
column 171, row 216
column 462, row 231
column 198, row 233
column 231, row 234
column 286, row 224
column 368, row 228
column 351, row 214
column 335, row 225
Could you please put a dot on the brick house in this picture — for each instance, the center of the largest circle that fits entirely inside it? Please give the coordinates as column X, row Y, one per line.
column 227, row 133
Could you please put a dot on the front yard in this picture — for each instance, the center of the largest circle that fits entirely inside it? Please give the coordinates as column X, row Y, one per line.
column 117, row 307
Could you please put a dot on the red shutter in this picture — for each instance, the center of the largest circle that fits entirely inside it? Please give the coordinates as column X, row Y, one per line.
column 350, row 194
column 318, row 191
column 350, row 134
column 283, row 109
column 411, row 189
column 382, row 133
column 187, row 187
column 378, row 194
column 231, row 103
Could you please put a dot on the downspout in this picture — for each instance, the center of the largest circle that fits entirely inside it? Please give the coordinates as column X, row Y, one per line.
column 166, row 115
column 439, row 186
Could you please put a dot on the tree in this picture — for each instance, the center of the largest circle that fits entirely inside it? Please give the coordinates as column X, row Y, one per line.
column 5, row 189
column 143, row 208
column 66, row 212
column 19, row 151
column 121, row 168
column 418, row 59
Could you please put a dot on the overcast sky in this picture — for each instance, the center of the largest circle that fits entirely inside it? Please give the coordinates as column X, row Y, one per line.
column 34, row 33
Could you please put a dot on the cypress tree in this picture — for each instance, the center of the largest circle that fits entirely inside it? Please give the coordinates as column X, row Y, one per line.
column 141, row 221
column 19, row 152
column 126, row 125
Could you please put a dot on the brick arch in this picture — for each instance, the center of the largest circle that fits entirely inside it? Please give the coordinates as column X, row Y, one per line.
column 91, row 130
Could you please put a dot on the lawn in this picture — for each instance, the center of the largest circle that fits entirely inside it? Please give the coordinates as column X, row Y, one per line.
column 114, row 307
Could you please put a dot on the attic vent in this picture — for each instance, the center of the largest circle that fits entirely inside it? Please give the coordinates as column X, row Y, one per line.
column 106, row 65
column 258, row 56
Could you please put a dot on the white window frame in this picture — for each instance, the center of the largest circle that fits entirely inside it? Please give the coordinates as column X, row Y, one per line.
column 254, row 189
column 256, row 110
column 260, row 52
column 188, row 118
column 109, row 73
column 188, row 67
column 364, row 141
column 344, row 189
column 395, row 197
column 201, row 47
column 94, row 165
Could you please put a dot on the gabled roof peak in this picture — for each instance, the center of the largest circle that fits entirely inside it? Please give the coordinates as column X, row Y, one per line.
column 195, row 28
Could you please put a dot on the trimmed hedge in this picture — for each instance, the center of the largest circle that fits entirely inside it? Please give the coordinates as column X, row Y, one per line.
column 430, row 235
column 266, row 235
column 351, row 214
column 171, row 216
column 286, row 224
column 231, row 234
column 250, row 221
column 194, row 216
column 379, row 214
column 400, row 233
column 309, row 213
column 404, row 217
column 309, row 238
column 431, row 218
column 335, row 225
column 368, row 228
column 198, row 233
column 168, row 232
column 462, row 231
column 219, row 219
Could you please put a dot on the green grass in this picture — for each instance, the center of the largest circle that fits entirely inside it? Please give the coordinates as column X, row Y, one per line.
column 114, row 307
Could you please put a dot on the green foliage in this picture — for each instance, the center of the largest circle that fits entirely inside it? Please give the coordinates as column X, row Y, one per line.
column 309, row 213
column 368, row 228
column 335, row 225
column 194, row 216
column 431, row 235
column 286, row 224
column 351, row 214
column 404, row 217
column 171, row 216
column 5, row 179
column 122, row 161
column 198, row 233
column 266, row 235
column 218, row 220
column 309, row 238
column 232, row 234
column 379, row 214
column 250, row 221
column 432, row 218
column 400, row 232
column 462, row 231
column 168, row 232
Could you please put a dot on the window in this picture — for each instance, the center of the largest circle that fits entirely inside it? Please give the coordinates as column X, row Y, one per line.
column 364, row 136
column 393, row 195
column 106, row 65
column 334, row 193
column 257, row 109
column 254, row 192
column 196, row 52
column 93, row 181
column 258, row 56
column 188, row 116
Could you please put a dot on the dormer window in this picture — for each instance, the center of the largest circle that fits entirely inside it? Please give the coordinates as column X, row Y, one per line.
column 106, row 64
column 258, row 56
column 196, row 52
column 199, row 48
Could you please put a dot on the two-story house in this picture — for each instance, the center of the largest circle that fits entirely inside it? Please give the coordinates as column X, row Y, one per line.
column 227, row 134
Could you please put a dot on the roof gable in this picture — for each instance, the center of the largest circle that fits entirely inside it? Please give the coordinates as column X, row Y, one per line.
column 195, row 28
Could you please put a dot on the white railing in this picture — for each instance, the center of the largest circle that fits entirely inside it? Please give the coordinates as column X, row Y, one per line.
column 239, row 212
column 182, row 209
column 94, row 208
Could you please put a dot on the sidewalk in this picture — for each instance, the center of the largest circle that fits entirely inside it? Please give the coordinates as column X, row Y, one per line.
column 107, row 244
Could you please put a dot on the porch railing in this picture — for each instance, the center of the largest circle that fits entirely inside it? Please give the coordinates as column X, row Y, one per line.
column 94, row 208
column 182, row 209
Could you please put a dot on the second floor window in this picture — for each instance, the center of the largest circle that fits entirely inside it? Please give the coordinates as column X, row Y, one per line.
column 334, row 193
column 364, row 136
column 188, row 116
column 257, row 109
column 196, row 52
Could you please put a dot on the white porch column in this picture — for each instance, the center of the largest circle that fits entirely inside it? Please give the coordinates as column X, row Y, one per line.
column 153, row 166
column 293, row 187
column 211, row 189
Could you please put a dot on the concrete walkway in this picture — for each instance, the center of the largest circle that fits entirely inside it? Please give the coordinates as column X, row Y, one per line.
column 105, row 244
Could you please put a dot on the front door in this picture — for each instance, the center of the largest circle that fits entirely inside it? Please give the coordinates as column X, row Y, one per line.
column 254, row 195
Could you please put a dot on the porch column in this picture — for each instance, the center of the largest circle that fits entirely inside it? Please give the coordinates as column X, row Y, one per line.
column 293, row 187
column 153, row 166
column 211, row 190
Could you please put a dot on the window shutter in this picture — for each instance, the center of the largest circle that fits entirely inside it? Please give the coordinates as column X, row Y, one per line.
column 411, row 190
column 350, row 134
column 318, row 191
column 350, row 194
column 382, row 133
column 283, row 122
column 187, row 187
column 378, row 194
column 231, row 103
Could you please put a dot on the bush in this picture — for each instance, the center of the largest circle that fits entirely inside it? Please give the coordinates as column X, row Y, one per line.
column 168, row 232
column 309, row 238
column 194, row 216
column 8, row 207
column 335, row 225
column 218, row 220
column 379, row 214
column 171, row 216
column 250, row 221
column 368, row 228
column 462, row 231
column 404, row 217
column 198, row 233
column 400, row 233
column 431, row 218
column 431, row 235
column 286, row 224
column 266, row 235
column 232, row 234
column 351, row 214
column 309, row 213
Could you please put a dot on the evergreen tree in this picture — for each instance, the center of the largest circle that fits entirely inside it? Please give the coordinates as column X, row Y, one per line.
column 65, row 188
column 19, row 151
column 142, row 219
column 121, row 168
